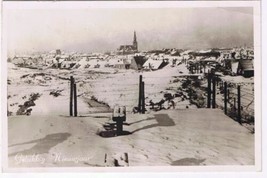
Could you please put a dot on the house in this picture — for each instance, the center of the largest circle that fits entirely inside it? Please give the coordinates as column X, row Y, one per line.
column 243, row 67
column 246, row 68
column 67, row 64
column 234, row 67
column 151, row 64
column 129, row 49
column 82, row 63
column 120, row 62
column 123, row 64
column 137, row 62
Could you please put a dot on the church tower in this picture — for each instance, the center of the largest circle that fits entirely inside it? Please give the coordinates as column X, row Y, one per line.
column 135, row 42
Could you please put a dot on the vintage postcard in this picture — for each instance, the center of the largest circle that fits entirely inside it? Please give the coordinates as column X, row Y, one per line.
column 143, row 86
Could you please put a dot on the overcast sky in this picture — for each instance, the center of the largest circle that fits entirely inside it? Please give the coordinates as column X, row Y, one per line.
column 99, row 30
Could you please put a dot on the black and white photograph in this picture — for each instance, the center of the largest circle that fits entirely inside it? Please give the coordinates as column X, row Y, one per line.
column 175, row 86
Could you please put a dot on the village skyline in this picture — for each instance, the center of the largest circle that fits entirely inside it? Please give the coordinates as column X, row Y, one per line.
column 107, row 29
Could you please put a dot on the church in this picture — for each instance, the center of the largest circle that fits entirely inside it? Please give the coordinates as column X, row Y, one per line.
column 129, row 49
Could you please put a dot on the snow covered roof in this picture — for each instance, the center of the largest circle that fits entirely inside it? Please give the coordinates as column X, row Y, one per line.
column 205, row 51
column 234, row 67
column 64, row 56
column 153, row 64
column 212, row 59
column 186, row 52
column 81, row 64
column 115, row 61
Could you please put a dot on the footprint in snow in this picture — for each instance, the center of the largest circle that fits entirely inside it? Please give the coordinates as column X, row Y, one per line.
column 165, row 138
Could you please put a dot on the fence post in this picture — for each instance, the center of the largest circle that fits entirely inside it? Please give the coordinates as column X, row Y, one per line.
column 209, row 90
column 75, row 99
column 140, row 94
column 225, row 98
column 143, row 97
column 214, row 92
column 190, row 91
column 235, row 104
column 239, row 104
column 71, row 94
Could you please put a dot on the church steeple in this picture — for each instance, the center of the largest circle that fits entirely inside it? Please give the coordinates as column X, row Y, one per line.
column 135, row 42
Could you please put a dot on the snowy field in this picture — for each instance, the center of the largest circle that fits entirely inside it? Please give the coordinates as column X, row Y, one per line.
column 41, row 133
column 176, row 137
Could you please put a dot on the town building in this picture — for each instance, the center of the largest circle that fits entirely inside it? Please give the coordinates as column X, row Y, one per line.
column 129, row 49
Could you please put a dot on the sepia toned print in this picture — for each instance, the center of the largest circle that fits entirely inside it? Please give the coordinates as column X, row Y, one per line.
column 131, row 87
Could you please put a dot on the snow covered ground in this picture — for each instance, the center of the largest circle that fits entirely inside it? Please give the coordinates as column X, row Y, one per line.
column 174, row 137
column 48, row 137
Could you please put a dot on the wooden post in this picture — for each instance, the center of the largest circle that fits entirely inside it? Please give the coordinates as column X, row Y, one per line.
column 239, row 104
column 71, row 95
column 140, row 94
column 126, row 158
column 214, row 92
column 235, row 104
column 225, row 98
column 119, row 124
column 143, row 98
column 209, row 90
column 190, row 92
column 75, row 99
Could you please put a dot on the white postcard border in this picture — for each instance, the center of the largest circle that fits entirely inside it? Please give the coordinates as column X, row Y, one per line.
column 138, row 4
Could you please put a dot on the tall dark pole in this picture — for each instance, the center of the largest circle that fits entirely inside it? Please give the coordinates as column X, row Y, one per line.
column 143, row 97
column 235, row 105
column 140, row 94
column 71, row 95
column 214, row 92
column 239, row 104
column 225, row 98
column 209, row 90
column 75, row 100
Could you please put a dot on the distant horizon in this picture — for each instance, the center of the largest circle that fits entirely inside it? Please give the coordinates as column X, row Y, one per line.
column 185, row 49
column 31, row 31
